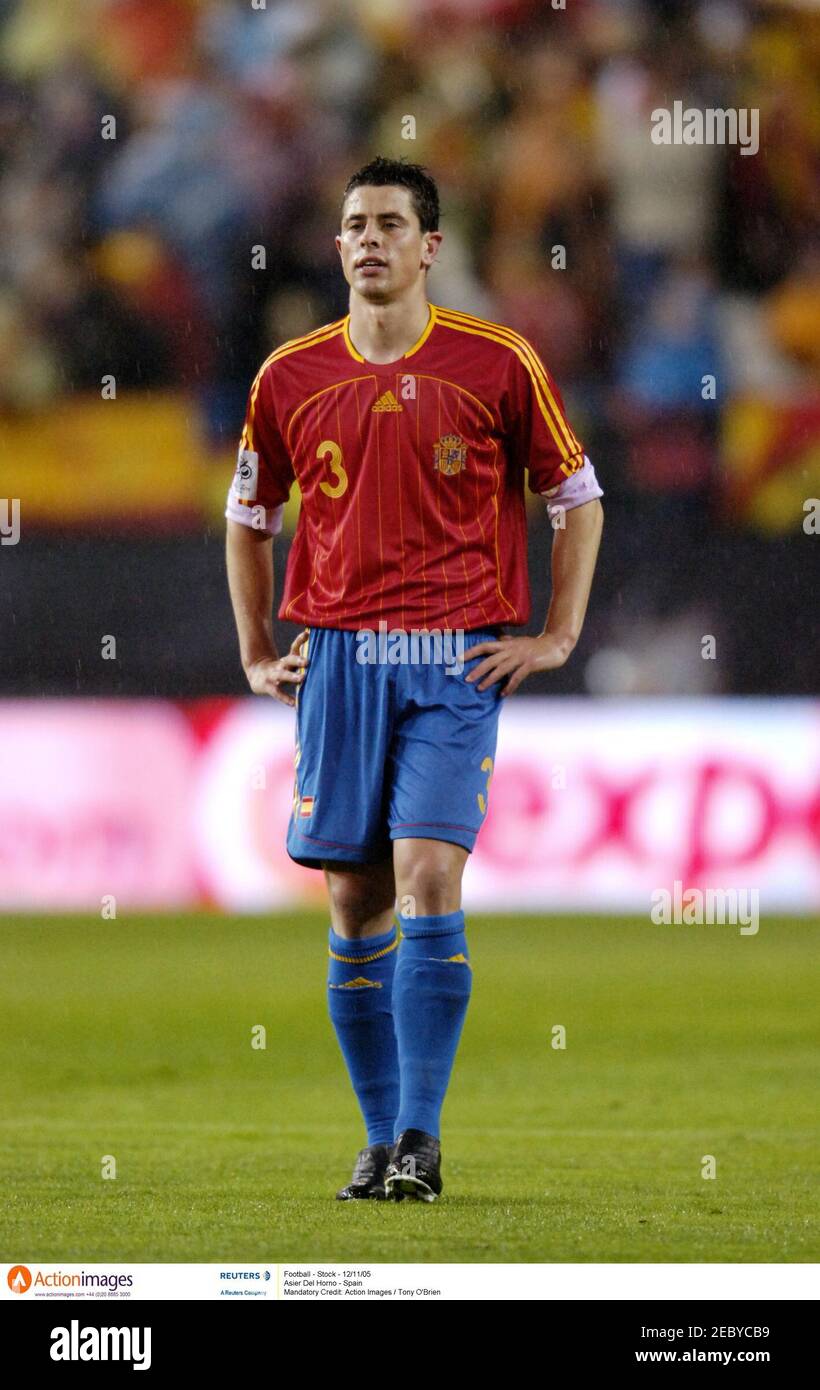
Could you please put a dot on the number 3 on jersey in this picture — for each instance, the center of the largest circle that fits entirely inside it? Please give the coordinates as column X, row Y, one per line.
column 337, row 468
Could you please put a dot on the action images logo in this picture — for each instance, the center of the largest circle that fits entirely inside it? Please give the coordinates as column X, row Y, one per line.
column 20, row 1280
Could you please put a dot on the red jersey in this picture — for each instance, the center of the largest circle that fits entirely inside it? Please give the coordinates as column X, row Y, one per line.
column 411, row 473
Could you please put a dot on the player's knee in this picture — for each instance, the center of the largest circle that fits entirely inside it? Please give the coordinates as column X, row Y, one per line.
column 349, row 902
column 356, row 899
column 432, row 883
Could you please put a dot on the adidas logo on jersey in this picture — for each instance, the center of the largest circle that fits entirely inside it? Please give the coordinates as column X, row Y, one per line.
column 387, row 401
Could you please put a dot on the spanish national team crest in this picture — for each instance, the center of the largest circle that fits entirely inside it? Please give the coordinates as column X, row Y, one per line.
column 451, row 454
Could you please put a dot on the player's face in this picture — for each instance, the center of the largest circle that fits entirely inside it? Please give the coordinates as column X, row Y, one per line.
column 382, row 246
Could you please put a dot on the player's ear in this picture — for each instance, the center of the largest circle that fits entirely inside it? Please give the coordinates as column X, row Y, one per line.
column 432, row 242
column 338, row 241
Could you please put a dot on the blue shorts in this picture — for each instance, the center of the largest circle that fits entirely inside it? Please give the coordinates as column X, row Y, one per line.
column 385, row 752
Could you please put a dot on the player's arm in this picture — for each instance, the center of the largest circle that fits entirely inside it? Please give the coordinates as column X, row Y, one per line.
column 561, row 472
column 254, row 512
column 249, row 559
column 574, row 553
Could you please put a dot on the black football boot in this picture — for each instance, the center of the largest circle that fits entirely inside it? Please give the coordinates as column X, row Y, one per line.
column 414, row 1169
column 368, row 1175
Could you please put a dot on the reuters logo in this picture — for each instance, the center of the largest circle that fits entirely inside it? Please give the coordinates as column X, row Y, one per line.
column 19, row 1279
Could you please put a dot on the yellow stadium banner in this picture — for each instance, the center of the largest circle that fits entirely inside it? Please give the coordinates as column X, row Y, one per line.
column 135, row 457
column 137, row 460
column 771, row 460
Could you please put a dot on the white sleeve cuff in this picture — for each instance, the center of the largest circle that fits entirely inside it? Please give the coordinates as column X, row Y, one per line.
column 259, row 518
column 574, row 491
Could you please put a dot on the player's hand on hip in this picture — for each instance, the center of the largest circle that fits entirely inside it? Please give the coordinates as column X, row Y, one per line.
column 512, row 659
column 271, row 674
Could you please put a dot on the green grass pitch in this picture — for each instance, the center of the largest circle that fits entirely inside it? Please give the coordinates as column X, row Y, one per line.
column 132, row 1038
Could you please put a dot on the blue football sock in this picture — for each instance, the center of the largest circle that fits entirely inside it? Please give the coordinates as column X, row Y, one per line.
column 431, row 991
column 359, row 996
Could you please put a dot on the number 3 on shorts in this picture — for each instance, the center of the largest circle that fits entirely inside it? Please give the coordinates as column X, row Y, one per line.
column 484, row 797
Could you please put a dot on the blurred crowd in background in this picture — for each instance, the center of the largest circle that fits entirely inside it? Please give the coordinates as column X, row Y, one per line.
column 237, row 125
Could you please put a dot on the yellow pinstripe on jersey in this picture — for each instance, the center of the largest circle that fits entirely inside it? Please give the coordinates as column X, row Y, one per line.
column 319, row 335
column 566, row 442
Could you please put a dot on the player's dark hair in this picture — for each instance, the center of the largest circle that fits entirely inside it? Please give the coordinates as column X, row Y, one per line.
column 414, row 177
